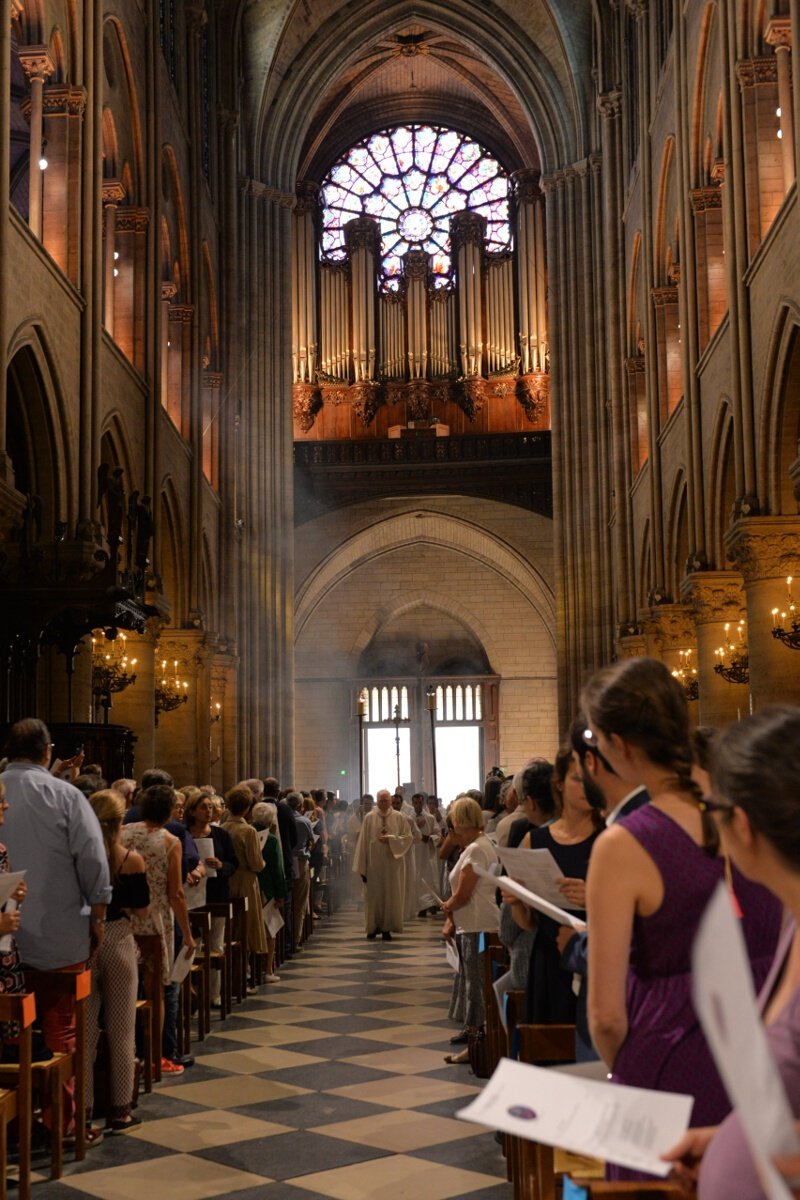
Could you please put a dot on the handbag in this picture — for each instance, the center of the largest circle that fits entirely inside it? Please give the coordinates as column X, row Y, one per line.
column 478, row 1049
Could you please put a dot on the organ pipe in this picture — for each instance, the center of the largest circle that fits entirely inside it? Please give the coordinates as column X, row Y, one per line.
column 416, row 270
column 304, row 275
column 531, row 272
column 363, row 238
column 467, row 233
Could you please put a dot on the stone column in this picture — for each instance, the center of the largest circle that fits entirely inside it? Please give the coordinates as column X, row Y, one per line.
column 6, row 469
column 716, row 599
column 64, row 108
column 778, row 33
column 130, row 288
column 38, row 66
column 304, row 284
column 113, row 194
column 766, row 550
column 669, row 629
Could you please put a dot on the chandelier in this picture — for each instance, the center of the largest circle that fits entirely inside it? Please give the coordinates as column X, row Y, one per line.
column 112, row 668
column 789, row 636
column 733, row 662
column 686, row 675
column 171, row 691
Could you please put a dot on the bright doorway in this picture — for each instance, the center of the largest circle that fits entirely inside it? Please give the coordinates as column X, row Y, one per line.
column 458, row 760
column 382, row 758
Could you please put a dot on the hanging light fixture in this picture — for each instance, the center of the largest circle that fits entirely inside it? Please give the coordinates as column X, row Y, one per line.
column 789, row 635
column 686, row 675
column 733, row 661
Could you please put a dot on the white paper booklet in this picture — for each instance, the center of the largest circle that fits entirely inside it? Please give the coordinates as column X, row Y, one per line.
column 451, row 954
column 725, row 1002
column 536, row 870
column 195, row 894
column 205, row 848
column 9, row 882
column 506, row 884
column 263, row 834
column 272, row 917
column 628, row 1126
column 181, row 966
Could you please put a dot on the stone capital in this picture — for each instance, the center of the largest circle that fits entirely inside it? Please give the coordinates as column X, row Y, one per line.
column 609, row 104
column 36, row 63
column 169, row 290
column 262, row 191
column 668, row 626
column 308, row 197
column 135, row 220
column 754, row 71
column 765, row 547
column 637, row 8
column 714, row 596
column 778, row 33
column 663, row 297
column 62, row 100
column 718, row 171
column 181, row 313
column 705, row 198
column 113, row 191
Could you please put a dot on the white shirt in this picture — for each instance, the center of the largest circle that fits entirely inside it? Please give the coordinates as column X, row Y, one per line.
column 480, row 914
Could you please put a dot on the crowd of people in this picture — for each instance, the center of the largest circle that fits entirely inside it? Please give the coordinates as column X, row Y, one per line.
column 643, row 815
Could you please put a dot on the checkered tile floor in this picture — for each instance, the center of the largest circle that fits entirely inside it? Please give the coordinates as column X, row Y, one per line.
column 330, row 1083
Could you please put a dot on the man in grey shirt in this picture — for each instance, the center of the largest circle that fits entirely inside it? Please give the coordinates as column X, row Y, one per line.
column 52, row 833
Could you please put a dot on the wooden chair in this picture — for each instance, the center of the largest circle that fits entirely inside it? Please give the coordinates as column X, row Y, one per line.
column 239, row 946
column 495, row 962
column 198, row 979
column 634, row 1191
column 50, row 1075
column 222, row 960
column 150, row 1013
column 16, row 1103
column 532, row 1165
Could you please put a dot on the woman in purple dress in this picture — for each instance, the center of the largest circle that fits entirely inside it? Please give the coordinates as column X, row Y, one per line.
column 756, row 788
column 650, row 879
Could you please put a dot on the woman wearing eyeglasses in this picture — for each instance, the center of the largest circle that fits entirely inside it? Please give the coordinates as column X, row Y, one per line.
column 756, row 787
column 650, row 878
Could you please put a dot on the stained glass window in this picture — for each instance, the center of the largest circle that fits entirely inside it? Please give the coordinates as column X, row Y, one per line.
column 412, row 179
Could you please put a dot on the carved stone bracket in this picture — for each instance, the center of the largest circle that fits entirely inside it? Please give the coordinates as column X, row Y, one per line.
column 527, row 185
column 705, row 198
column 714, row 595
column 169, row 290
column 778, row 32
column 533, row 392
column 62, row 100
column 366, row 399
column 136, row 220
column 609, row 104
column 36, row 62
column 113, row 191
column 418, row 394
column 306, row 403
column 334, row 393
column 765, row 547
column 308, row 197
column 754, row 71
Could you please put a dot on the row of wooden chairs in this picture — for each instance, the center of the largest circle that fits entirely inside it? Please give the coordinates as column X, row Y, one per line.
column 531, row 1166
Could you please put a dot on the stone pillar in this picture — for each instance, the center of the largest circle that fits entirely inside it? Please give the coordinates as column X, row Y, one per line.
column 668, row 630
column 113, row 194
column 6, row 468
column 716, row 598
column 766, row 550
column 64, row 107
column 130, row 290
column 38, row 66
column 135, row 706
column 778, row 33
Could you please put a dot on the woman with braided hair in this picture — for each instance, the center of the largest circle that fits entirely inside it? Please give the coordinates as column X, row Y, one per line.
column 650, row 878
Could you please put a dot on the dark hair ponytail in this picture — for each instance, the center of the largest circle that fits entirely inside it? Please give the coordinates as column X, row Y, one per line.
column 642, row 702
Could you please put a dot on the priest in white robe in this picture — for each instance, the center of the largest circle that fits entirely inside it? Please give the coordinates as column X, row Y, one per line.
column 423, row 855
column 380, row 860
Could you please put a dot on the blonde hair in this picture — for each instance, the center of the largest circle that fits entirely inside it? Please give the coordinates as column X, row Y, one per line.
column 466, row 813
column 109, row 808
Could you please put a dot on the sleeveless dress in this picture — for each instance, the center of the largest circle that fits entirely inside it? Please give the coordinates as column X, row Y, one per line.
column 152, row 845
column 665, row 1048
column 549, row 996
column 727, row 1165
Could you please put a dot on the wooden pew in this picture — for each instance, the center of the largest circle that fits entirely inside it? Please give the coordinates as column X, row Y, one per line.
column 16, row 1103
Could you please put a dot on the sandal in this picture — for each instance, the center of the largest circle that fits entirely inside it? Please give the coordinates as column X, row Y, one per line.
column 457, row 1059
column 120, row 1124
